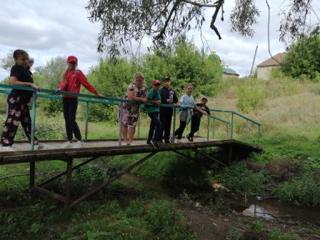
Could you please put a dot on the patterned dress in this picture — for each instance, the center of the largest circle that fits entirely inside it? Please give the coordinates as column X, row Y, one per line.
column 129, row 112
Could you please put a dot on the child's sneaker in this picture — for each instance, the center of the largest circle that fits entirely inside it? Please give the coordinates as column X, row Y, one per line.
column 78, row 144
column 190, row 139
column 154, row 143
column 67, row 145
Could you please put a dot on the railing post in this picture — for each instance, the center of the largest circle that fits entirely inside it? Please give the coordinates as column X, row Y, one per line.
column 208, row 130
column 174, row 124
column 33, row 117
column 86, row 121
column 232, row 125
column 213, row 126
column 120, row 124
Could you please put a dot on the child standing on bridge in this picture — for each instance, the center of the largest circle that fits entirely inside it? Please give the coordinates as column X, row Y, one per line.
column 72, row 80
column 18, row 100
column 187, row 104
column 198, row 112
column 168, row 96
column 155, row 129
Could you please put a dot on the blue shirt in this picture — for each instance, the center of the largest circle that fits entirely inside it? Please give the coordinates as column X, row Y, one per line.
column 187, row 104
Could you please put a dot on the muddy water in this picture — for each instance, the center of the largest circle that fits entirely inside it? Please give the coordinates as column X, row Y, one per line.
column 271, row 209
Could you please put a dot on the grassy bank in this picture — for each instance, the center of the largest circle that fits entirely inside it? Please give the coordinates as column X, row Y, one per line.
column 170, row 197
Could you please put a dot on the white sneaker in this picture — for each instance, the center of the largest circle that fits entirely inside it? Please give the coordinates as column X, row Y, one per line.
column 67, row 145
column 78, row 144
column 6, row 149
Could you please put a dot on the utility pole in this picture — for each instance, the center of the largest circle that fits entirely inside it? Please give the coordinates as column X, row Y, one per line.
column 254, row 60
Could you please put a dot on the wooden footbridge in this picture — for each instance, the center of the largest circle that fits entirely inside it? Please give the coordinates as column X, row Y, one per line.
column 94, row 149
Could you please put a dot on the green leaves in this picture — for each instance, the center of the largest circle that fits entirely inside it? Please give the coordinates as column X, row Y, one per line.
column 302, row 59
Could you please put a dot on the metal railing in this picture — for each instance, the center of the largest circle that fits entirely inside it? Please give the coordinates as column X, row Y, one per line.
column 91, row 99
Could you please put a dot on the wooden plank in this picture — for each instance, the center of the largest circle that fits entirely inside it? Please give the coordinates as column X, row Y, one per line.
column 53, row 195
column 65, row 154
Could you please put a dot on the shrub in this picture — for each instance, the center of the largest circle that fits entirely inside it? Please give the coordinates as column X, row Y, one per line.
column 303, row 58
column 250, row 98
column 166, row 222
column 238, row 178
column 276, row 234
column 303, row 190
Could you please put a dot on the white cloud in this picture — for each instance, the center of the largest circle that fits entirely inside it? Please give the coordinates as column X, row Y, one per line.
column 59, row 28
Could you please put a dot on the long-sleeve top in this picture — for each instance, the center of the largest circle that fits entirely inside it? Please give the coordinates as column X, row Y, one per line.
column 187, row 105
column 73, row 79
column 167, row 93
column 203, row 107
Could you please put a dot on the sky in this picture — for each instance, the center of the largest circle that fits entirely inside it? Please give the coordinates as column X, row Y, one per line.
column 48, row 29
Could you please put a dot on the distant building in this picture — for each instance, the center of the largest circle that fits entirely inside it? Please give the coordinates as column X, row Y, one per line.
column 265, row 68
column 229, row 73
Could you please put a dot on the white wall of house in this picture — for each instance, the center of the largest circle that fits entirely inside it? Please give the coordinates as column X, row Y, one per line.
column 264, row 73
column 229, row 76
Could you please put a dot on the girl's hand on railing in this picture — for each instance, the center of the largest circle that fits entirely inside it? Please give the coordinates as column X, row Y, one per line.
column 34, row 86
column 144, row 100
column 99, row 95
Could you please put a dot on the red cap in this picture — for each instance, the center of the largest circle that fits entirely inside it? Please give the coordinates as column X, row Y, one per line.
column 156, row 82
column 72, row 59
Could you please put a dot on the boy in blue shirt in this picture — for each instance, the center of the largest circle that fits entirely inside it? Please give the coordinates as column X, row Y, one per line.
column 153, row 110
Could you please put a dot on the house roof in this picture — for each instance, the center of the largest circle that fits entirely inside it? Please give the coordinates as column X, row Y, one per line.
column 230, row 71
column 271, row 62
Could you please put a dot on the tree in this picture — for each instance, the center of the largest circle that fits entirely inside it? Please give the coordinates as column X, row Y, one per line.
column 49, row 77
column 7, row 62
column 52, row 72
column 303, row 58
column 166, row 20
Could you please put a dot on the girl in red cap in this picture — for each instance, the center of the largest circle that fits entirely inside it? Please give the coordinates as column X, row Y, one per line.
column 72, row 80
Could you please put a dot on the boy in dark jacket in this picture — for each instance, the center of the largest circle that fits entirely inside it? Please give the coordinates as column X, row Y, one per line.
column 198, row 112
column 168, row 96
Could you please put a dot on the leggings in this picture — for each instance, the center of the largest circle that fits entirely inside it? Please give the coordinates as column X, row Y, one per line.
column 70, row 106
column 18, row 111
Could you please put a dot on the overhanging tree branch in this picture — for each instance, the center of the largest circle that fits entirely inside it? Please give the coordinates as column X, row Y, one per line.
column 201, row 4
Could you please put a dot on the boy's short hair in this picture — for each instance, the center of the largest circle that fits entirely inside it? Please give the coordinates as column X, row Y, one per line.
column 189, row 85
column 204, row 99
column 19, row 52
column 166, row 79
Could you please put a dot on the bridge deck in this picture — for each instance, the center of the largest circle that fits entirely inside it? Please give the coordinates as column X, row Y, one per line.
column 54, row 150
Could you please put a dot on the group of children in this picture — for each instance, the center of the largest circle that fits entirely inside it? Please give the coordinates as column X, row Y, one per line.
column 137, row 92
column 18, row 100
column 158, row 103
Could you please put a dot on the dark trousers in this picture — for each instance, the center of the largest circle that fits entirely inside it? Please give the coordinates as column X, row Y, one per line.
column 195, row 125
column 18, row 112
column 70, row 106
column 166, row 119
column 180, row 130
column 155, row 129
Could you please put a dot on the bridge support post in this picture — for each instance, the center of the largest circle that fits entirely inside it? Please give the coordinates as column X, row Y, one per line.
column 230, row 154
column 32, row 171
column 69, row 181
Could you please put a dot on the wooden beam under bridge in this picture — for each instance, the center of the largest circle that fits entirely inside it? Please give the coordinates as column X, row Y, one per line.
column 93, row 153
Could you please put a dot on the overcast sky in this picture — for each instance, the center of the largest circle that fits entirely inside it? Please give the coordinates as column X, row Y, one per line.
column 48, row 29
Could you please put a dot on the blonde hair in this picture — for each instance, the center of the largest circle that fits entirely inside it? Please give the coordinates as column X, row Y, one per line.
column 137, row 75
